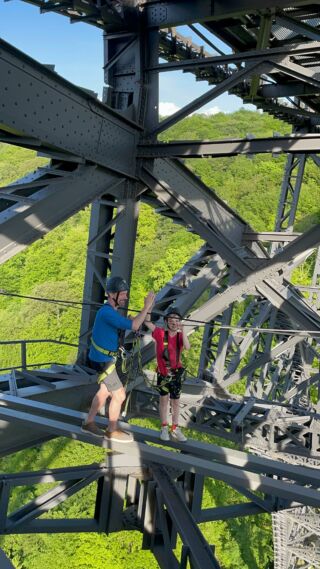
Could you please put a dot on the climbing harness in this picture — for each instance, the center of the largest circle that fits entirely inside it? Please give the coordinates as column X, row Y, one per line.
column 111, row 353
column 119, row 362
column 135, row 367
column 104, row 374
column 174, row 376
column 165, row 353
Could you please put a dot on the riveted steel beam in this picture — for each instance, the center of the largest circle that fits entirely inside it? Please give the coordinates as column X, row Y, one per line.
column 174, row 174
column 290, row 89
column 175, row 13
column 274, row 54
column 295, row 143
column 37, row 103
column 55, row 201
column 201, row 553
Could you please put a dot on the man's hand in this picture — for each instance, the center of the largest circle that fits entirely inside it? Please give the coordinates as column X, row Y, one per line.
column 140, row 318
column 149, row 300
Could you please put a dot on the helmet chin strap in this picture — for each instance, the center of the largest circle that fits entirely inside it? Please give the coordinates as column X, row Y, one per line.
column 115, row 300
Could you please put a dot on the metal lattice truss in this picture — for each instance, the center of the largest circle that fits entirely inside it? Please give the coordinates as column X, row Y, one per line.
column 238, row 284
column 296, row 538
column 151, row 489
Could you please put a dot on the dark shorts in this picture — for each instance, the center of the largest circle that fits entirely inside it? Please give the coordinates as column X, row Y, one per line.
column 171, row 384
column 107, row 374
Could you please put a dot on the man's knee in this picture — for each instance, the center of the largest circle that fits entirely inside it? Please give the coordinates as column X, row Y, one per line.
column 119, row 395
column 102, row 393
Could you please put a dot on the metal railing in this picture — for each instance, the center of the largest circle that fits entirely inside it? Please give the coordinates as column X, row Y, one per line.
column 23, row 352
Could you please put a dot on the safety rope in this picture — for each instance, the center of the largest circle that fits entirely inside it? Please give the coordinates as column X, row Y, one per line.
column 187, row 321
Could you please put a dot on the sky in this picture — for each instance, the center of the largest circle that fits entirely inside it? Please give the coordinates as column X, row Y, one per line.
column 76, row 50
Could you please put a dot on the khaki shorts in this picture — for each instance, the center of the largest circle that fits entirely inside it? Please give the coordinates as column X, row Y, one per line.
column 107, row 374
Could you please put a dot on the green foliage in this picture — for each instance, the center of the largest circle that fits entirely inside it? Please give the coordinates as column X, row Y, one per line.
column 220, row 126
column 16, row 162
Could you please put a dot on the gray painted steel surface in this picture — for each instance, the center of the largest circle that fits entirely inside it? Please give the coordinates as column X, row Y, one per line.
column 68, row 119
column 54, row 201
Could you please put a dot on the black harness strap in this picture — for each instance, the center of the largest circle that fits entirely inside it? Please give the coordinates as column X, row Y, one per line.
column 165, row 353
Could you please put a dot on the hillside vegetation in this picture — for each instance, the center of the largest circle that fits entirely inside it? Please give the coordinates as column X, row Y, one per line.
column 54, row 268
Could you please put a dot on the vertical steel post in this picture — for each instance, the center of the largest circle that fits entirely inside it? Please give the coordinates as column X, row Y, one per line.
column 98, row 265
column 113, row 223
column 290, row 192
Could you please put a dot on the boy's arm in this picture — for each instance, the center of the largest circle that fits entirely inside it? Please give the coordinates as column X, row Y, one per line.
column 185, row 340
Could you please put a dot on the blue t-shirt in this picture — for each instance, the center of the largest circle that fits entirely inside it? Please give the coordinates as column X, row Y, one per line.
column 105, row 333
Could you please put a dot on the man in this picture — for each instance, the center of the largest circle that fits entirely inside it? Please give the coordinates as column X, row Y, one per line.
column 102, row 355
column 170, row 341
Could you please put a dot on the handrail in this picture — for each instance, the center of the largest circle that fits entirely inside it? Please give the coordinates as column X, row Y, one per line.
column 23, row 350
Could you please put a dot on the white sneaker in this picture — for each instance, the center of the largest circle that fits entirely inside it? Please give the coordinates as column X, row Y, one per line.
column 164, row 433
column 177, row 435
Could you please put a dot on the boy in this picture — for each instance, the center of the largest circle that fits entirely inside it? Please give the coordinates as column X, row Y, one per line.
column 170, row 341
